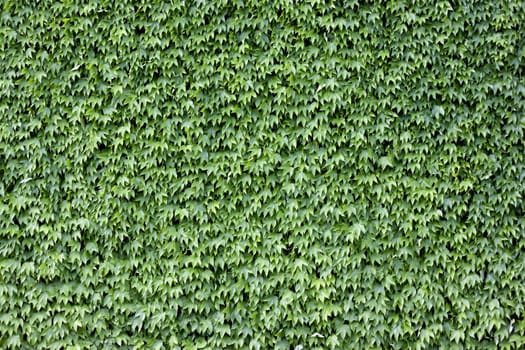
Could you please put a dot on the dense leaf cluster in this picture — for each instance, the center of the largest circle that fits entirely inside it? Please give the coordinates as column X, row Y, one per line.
column 237, row 174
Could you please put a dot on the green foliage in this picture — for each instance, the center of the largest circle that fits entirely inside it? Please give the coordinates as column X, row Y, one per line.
column 262, row 174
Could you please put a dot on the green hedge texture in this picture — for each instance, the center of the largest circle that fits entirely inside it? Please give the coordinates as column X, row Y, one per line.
column 262, row 174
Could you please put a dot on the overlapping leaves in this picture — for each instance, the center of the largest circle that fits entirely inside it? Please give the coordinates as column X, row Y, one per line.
column 261, row 174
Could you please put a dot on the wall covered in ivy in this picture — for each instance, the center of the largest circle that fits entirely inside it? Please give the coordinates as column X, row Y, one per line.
column 262, row 174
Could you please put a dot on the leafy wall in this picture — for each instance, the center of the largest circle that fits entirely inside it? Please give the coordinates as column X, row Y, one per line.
column 262, row 174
